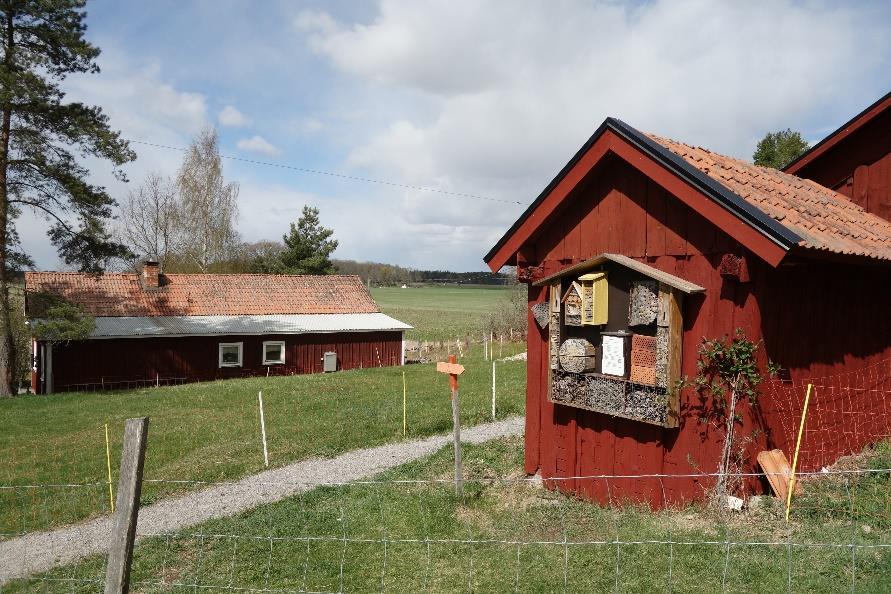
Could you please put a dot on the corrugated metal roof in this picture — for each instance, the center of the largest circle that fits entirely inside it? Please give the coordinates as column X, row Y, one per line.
column 124, row 326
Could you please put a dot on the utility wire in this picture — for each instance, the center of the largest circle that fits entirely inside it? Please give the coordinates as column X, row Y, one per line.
column 340, row 175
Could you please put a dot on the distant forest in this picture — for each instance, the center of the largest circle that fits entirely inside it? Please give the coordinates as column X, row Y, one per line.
column 390, row 275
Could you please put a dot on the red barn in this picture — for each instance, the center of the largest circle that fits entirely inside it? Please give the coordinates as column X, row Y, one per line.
column 855, row 160
column 154, row 328
column 660, row 244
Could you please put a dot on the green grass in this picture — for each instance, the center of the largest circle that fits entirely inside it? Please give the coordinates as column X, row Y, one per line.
column 441, row 312
column 210, row 431
column 393, row 536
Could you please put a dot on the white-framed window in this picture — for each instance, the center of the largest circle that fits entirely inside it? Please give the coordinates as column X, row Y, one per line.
column 230, row 354
column 273, row 352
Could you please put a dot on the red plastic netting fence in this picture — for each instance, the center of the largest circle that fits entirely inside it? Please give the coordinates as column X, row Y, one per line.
column 847, row 412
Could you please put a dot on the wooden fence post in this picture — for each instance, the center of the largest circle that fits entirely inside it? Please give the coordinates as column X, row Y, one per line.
column 454, row 370
column 123, row 532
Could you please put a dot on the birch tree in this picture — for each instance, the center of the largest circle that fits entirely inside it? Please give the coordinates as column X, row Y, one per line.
column 150, row 218
column 208, row 205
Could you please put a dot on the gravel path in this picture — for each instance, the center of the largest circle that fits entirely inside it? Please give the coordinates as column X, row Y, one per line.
column 41, row 551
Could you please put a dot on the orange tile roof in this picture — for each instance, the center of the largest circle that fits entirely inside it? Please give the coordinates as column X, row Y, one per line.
column 825, row 220
column 122, row 294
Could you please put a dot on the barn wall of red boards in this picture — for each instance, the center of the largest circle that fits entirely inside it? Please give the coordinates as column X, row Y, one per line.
column 855, row 160
column 815, row 317
column 93, row 363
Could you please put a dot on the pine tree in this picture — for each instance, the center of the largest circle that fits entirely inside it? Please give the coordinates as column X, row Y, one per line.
column 308, row 246
column 43, row 42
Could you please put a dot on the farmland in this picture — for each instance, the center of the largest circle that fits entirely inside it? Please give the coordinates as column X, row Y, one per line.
column 441, row 312
column 404, row 533
column 210, row 431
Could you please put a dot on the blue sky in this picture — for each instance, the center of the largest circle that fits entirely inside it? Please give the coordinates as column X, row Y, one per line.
column 485, row 98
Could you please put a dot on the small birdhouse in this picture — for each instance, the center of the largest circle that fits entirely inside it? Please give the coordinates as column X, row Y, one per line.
column 594, row 288
column 572, row 305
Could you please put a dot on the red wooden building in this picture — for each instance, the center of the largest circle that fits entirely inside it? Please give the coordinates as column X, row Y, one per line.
column 855, row 160
column 154, row 328
column 686, row 244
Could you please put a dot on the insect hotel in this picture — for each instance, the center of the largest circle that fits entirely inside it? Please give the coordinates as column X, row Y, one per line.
column 611, row 337
column 641, row 247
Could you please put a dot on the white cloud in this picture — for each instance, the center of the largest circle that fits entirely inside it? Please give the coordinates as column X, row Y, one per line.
column 143, row 106
column 510, row 91
column 139, row 101
column 230, row 116
column 258, row 144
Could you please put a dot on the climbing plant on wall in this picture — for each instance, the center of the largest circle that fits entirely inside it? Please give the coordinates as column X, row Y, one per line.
column 727, row 374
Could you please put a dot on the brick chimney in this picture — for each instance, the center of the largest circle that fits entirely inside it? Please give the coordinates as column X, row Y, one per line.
column 151, row 272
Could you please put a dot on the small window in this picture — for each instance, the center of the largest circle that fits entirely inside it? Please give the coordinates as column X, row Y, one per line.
column 230, row 354
column 273, row 352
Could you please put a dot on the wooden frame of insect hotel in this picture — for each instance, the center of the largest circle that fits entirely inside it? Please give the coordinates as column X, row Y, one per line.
column 614, row 331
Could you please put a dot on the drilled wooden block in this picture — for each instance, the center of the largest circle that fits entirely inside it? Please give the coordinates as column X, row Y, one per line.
column 643, row 303
column 643, row 375
column 541, row 314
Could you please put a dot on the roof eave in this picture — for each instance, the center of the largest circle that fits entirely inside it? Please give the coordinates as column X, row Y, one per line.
column 671, row 280
column 838, row 135
column 773, row 230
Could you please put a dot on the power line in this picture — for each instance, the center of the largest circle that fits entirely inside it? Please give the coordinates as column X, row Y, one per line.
column 341, row 175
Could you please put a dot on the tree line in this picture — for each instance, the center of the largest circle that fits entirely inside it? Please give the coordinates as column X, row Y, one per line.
column 379, row 274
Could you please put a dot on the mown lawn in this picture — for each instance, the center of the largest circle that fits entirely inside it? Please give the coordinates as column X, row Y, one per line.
column 441, row 312
column 210, row 431
column 513, row 535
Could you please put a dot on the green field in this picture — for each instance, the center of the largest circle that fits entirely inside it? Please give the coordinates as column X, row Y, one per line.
column 511, row 535
column 441, row 312
column 210, row 431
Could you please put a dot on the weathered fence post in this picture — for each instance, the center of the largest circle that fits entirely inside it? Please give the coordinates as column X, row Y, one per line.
column 123, row 532
column 493, row 390
column 454, row 370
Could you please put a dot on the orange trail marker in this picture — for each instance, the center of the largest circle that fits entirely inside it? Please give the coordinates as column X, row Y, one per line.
column 454, row 370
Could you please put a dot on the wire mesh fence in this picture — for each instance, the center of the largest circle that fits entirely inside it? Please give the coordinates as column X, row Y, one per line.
column 336, row 526
column 505, row 534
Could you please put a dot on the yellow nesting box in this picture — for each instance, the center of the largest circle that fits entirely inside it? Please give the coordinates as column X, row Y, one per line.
column 594, row 298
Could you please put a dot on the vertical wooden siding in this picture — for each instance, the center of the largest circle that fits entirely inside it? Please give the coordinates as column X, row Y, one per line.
column 196, row 358
column 620, row 210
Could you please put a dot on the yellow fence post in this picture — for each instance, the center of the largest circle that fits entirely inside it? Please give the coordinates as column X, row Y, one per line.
column 108, row 463
column 404, row 406
column 807, row 399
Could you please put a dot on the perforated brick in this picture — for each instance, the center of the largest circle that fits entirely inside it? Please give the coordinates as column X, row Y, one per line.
column 643, row 375
column 642, row 342
column 643, row 358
